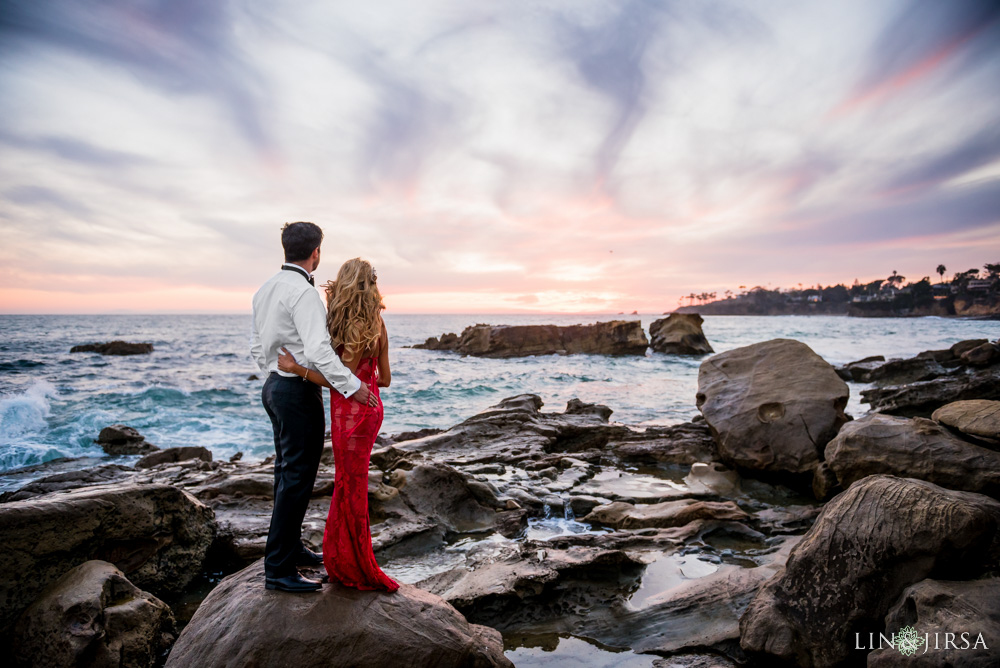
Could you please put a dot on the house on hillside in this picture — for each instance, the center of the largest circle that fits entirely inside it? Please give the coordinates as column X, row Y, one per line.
column 978, row 285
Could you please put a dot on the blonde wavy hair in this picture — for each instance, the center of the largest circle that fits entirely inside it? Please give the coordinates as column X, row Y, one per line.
column 353, row 308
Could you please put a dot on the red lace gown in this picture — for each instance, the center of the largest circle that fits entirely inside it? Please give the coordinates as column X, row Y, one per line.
column 347, row 541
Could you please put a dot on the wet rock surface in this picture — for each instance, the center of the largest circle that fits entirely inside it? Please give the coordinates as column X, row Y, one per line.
column 93, row 616
column 174, row 455
column 157, row 535
column 617, row 337
column 969, row 611
column 565, row 525
column 772, row 406
column 917, row 448
column 242, row 624
column 916, row 387
column 869, row 543
column 679, row 334
column 922, row 398
column 621, row 515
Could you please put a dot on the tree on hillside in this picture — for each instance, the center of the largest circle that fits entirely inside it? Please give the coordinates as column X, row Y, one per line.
column 992, row 271
column 922, row 292
column 895, row 279
column 873, row 287
column 940, row 270
column 962, row 278
column 836, row 293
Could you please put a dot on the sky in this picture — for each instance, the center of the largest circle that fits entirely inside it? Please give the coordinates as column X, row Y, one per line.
column 492, row 156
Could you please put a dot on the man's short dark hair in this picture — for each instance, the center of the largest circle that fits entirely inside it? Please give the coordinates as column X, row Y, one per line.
column 299, row 240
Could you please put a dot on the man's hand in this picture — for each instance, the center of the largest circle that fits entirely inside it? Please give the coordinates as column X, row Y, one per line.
column 287, row 362
column 365, row 396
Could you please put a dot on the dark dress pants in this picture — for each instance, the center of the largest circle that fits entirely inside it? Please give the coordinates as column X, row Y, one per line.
column 297, row 415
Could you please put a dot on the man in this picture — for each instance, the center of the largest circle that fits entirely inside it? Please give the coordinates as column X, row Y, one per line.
column 289, row 313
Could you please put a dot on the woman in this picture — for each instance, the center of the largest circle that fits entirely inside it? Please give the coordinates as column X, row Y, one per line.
column 358, row 333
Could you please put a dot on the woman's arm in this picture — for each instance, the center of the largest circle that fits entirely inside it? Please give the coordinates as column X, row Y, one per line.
column 384, row 375
column 287, row 363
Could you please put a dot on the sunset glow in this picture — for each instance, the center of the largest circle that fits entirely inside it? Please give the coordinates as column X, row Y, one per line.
column 565, row 157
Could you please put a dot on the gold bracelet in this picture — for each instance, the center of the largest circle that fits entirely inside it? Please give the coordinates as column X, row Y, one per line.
column 305, row 376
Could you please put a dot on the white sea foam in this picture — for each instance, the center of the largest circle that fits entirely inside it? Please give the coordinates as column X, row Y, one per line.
column 26, row 413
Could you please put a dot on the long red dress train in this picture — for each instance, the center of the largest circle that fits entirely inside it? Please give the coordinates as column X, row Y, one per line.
column 347, row 540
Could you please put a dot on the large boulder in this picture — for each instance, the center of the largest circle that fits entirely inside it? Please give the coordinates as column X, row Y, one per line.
column 772, row 406
column 979, row 418
column 869, row 543
column 93, row 616
column 679, row 334
column 968, row 611
column 617, row 337
column 915, row 448
column 242, row 624
column 157, row 535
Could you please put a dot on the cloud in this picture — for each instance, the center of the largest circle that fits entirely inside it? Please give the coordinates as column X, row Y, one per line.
column 529, row 155
column 180, row 46
column 40, row 196
column 924, row 36
column 74, row 150
column 979, row 149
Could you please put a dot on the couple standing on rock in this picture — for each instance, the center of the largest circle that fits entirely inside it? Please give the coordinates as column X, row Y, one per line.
column 303, row 348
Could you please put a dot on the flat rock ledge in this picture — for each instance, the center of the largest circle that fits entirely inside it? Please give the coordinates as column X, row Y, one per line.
column 617, row 337
column 243, row 624
column 114, row 348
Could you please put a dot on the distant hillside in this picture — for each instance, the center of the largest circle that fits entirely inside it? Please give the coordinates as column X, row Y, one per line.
column 971, row 293
column 736, row 306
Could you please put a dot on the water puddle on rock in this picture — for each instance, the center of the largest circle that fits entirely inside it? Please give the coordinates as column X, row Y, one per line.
column 411, row 569
column 557, row 651
column 642, row 487
column 666, row 573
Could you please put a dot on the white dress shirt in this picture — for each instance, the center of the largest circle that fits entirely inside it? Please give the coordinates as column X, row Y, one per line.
column 288, row 312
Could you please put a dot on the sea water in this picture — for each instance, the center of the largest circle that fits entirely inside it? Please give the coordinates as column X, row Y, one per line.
column 197, row 387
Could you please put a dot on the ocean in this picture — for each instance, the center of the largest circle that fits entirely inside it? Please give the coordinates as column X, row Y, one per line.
column 196, row 387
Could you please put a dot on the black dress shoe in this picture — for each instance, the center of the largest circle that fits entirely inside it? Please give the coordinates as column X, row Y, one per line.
column 294, row 583
column 308, row 558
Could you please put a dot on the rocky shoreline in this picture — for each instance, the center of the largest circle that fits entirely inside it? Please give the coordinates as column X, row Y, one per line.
column 770, row 528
